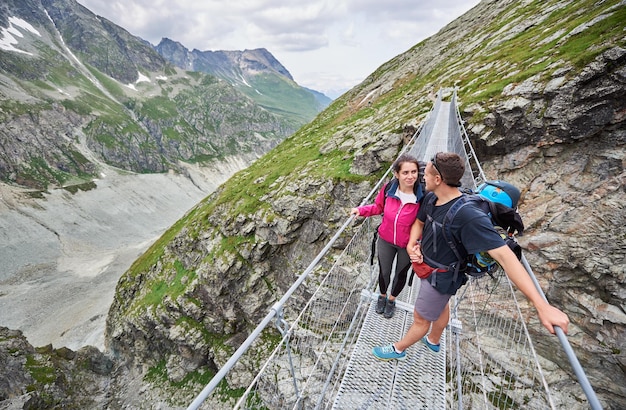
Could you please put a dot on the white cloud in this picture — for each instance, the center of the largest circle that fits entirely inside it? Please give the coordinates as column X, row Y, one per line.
column 326, row 45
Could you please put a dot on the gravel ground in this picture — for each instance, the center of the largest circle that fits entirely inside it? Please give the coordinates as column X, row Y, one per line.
column 63, row 255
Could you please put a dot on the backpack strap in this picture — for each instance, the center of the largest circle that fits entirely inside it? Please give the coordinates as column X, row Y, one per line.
column 444, row 229
column 449, row 237
column 437, row 267
column 386, row 189
column 456, row 247
column 447, row 221
column 373, row 246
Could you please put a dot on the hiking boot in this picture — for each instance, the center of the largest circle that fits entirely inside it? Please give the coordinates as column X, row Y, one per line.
column 387, row 353
column 390, row 308
column 380, row 305
column 434, row 348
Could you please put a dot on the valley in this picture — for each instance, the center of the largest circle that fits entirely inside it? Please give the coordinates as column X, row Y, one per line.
column 64, row 252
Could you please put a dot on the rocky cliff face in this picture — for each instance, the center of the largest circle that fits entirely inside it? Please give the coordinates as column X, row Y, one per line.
column 542, row 90
column 87, row 35
column 85, row 373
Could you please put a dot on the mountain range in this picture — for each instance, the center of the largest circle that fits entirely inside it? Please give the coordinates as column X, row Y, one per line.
column 77, row 89
column 256, row 73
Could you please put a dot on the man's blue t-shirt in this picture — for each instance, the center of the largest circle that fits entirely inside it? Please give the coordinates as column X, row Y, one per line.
column 471, row 228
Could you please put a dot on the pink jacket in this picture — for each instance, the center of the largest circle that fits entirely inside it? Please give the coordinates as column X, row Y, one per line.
column 397, row 220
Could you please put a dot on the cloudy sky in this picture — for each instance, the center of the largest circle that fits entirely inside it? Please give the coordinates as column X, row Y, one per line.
column 327, row 45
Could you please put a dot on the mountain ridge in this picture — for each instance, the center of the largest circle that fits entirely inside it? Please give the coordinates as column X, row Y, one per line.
column 255, row 73
column 100, row 88
column 214, row 61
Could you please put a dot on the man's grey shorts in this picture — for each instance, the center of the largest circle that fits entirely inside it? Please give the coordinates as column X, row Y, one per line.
column 430, row 303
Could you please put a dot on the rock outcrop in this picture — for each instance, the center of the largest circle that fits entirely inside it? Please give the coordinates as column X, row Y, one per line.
column 39, row 378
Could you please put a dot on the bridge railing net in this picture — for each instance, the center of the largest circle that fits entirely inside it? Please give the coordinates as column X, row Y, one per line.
column 491, row 363
column 305, row 369
column 491, row 360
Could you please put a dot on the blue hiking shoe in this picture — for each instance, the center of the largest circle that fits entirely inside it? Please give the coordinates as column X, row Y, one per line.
column 387, row 353
column 434, row 348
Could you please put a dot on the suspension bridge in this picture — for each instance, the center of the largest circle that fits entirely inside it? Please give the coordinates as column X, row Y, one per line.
column 328, row 326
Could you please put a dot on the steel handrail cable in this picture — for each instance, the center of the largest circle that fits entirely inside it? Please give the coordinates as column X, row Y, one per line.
column 571, row 356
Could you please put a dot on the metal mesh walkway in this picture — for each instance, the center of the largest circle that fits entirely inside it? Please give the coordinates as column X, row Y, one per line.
column 443, row 134
column 415, row 383
column 419, row 381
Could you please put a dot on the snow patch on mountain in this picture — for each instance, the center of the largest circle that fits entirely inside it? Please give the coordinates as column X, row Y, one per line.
column 8, row 35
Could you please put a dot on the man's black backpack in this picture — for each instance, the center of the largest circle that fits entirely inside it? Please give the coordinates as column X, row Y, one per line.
column 500, row 207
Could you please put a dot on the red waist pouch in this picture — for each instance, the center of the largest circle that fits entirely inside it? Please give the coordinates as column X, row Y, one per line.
column 422, row 270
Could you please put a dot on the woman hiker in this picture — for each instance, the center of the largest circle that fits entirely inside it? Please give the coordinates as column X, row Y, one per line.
column 398, row 202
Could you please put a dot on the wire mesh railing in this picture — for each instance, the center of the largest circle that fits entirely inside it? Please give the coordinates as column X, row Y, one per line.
column 319, row 338
column 495, row 363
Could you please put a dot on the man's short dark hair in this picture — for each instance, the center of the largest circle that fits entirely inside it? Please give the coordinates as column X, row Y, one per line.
column 450, row 166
